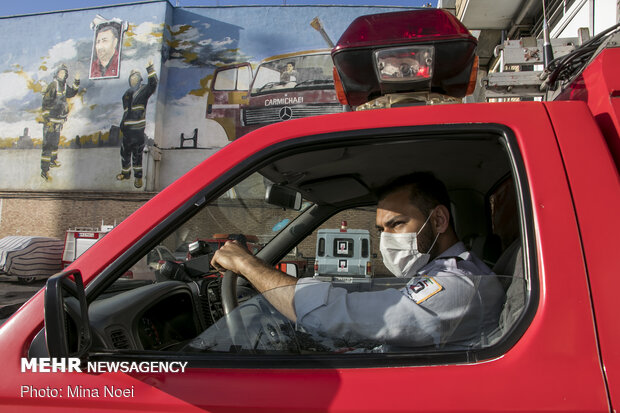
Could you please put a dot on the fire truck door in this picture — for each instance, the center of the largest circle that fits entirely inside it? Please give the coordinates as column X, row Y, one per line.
column 229, row 90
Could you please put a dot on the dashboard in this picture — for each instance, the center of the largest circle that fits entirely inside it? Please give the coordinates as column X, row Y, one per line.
column 168, row 315
column 157, row 316
column 168, row 322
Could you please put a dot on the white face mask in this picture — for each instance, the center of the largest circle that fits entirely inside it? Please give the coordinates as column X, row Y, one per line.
column 401, row 254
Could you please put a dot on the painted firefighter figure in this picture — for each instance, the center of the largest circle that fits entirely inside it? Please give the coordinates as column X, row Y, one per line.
column 55, row 109
column 133, row 123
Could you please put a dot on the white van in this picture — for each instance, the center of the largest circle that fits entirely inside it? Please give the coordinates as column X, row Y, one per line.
column 343, row 253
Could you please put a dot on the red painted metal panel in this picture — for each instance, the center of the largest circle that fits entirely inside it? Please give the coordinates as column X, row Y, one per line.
column 599, row 87
column 554, row 366
column 595, row 185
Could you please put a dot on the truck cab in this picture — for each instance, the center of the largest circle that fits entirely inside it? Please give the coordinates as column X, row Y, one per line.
column 283, row 87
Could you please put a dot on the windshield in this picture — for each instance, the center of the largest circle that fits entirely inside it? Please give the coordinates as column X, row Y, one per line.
column 166, row 255
column 297, row 72
column 240, row 213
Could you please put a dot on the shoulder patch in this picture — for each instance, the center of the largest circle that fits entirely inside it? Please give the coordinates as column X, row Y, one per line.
column 423, row 289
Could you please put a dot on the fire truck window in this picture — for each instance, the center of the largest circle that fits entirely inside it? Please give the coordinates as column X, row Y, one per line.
column 311, row 71
column 244, row 78
column 226, row 80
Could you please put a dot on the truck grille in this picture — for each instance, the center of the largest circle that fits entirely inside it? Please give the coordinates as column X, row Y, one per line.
column 272, row 114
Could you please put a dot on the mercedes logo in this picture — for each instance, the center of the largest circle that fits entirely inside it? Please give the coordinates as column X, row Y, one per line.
column 286, row 113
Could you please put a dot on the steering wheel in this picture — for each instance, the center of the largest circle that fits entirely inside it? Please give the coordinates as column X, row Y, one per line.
column 228, row 292
column 273, row 334
column 233, row 319
column 228, row 287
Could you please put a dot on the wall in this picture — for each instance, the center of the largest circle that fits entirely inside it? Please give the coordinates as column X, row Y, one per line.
column 205, row 38
column 185, row 45
column 88, row 147
column 52, row 214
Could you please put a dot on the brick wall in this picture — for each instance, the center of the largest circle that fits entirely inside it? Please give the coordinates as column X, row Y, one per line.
column 51, row 215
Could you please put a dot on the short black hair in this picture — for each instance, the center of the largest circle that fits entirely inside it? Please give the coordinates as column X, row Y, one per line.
column 108, row 28
column 425, row 191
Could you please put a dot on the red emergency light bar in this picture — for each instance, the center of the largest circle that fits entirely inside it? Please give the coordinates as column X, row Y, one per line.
column 424, row 50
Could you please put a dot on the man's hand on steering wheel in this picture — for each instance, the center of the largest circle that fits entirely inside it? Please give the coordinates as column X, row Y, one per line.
column 234, row 257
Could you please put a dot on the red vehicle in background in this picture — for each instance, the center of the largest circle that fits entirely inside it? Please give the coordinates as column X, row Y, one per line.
column 284, row 87
column 534, row 186
column 78, row 240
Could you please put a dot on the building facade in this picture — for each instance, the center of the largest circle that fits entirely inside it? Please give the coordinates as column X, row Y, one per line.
column 70, row 108
column 94, row 99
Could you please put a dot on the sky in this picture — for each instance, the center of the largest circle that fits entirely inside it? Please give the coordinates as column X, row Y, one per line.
column 17, row 7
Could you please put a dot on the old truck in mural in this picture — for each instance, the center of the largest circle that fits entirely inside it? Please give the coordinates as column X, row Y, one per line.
column 287, row 86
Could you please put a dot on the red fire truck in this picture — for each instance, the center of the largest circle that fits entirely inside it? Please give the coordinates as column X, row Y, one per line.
column 534, row 190
column 78, row 240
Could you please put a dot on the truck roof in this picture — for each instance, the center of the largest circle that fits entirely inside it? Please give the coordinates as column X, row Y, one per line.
column 295, row 54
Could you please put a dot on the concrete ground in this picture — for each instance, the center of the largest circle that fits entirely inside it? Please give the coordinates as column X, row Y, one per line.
column 13, row 294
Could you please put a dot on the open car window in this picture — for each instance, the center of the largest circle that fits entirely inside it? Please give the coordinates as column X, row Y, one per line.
column 345, row 299
column 240, row 213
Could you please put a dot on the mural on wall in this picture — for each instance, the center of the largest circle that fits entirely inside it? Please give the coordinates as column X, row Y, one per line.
column 54, row 111
column 159, row 79
column 133, row 123
column 106, row 56
column 75, row 131
column 225, row 64
column 197, row 45
column 290, row 86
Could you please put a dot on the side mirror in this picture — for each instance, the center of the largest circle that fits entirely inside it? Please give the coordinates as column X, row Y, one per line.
column 283, row 197
column 67, row 329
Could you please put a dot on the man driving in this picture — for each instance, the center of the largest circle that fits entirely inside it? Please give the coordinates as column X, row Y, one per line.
column 289, row 74
column 451, row 297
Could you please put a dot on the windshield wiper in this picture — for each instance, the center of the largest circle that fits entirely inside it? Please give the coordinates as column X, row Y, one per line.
column 315, row 82
column 269, row 85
